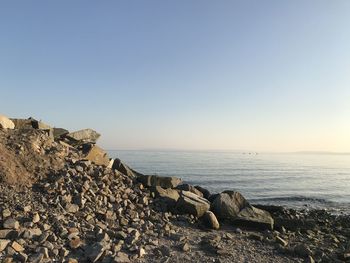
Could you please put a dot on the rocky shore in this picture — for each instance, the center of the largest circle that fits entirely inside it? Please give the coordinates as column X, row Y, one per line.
column 62, row 199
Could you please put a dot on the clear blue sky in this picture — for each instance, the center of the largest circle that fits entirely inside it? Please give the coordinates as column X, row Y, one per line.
column 187, row 74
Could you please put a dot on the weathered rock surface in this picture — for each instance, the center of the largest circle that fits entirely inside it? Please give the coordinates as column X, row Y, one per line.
column 153, row 180
column 95, row 154
column 124, row 169
column 190, row 203
column 189, row 188
column 254, row 217
column 6, row 123
column 228, row 204
column 85, row 135
column 210, row 220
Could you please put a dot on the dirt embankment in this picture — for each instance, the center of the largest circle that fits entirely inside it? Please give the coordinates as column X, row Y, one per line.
column 27, row 156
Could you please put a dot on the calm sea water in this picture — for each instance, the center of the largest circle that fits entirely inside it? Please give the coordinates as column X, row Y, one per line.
column 293, row 180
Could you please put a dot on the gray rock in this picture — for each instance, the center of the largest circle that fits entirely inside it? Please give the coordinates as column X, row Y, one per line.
column 205, row 192
column 36, row 258
column 210, row 220
column 86, row 135
column 228, row 204
column 169, row 196
column 11, row 223
column 189, row 188
column 59, row 132
column 95, row 252
column 254, row 217
column 95, row 154
column 124, row 169
column 190, row 203
column 153, row 180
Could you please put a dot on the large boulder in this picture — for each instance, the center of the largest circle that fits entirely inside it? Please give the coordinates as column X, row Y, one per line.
column 86, row 135
column 30, row 123
column 154, row 180
column 190, row 203
column 190, row 188
column 95, row 154
column 59, row 132
column 124, row 169
column 168, row 196
column 232, row 206
column 254, row 217
column 6, row 123
column 228, row 204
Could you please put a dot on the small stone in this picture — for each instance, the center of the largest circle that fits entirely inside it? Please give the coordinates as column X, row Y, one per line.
column 75, row 242
column 17, row 247
column 36, row 218
column 72, row 208
column 121, row 258
column 281, row 241
column 11, row 224
column 6, row 213
column 141, row 252
column 27, row 208
column 3, row 244
column 185, row 247
column 36, row 258
column 72, row 260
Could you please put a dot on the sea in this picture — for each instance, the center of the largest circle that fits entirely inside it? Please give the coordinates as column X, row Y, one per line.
column 294, row 180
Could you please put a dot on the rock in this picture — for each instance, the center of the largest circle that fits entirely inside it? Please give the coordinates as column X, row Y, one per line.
column 86, row 135
column 281, row 241
column 17, row 247
column 153, row 180
column 169, row 196
column 190, row 203
column 75, row 242
column 124, row 169
column 185, row 247
column 36, row 218
column 6, row 213
column 121, row 258
column 11, row 223
column 8, row 234
column 23, row 123
column 190, row 188
column 141, row 252
column 6, row 123
column 206, row 194
column 254, row 217
column 3, row 244
column 59, row 132
column 210, row 220
column 95, row 154
column 165, row 250
column 72, row 208
column 36, row 258
column 30, row 123
column 228, row 204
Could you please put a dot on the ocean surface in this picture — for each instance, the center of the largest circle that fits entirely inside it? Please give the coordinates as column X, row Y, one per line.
column 298, row 180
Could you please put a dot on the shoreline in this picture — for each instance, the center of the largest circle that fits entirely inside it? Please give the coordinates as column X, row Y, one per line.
column 62, row 199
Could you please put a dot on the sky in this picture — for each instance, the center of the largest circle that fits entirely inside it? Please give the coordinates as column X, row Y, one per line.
column 184, row 74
